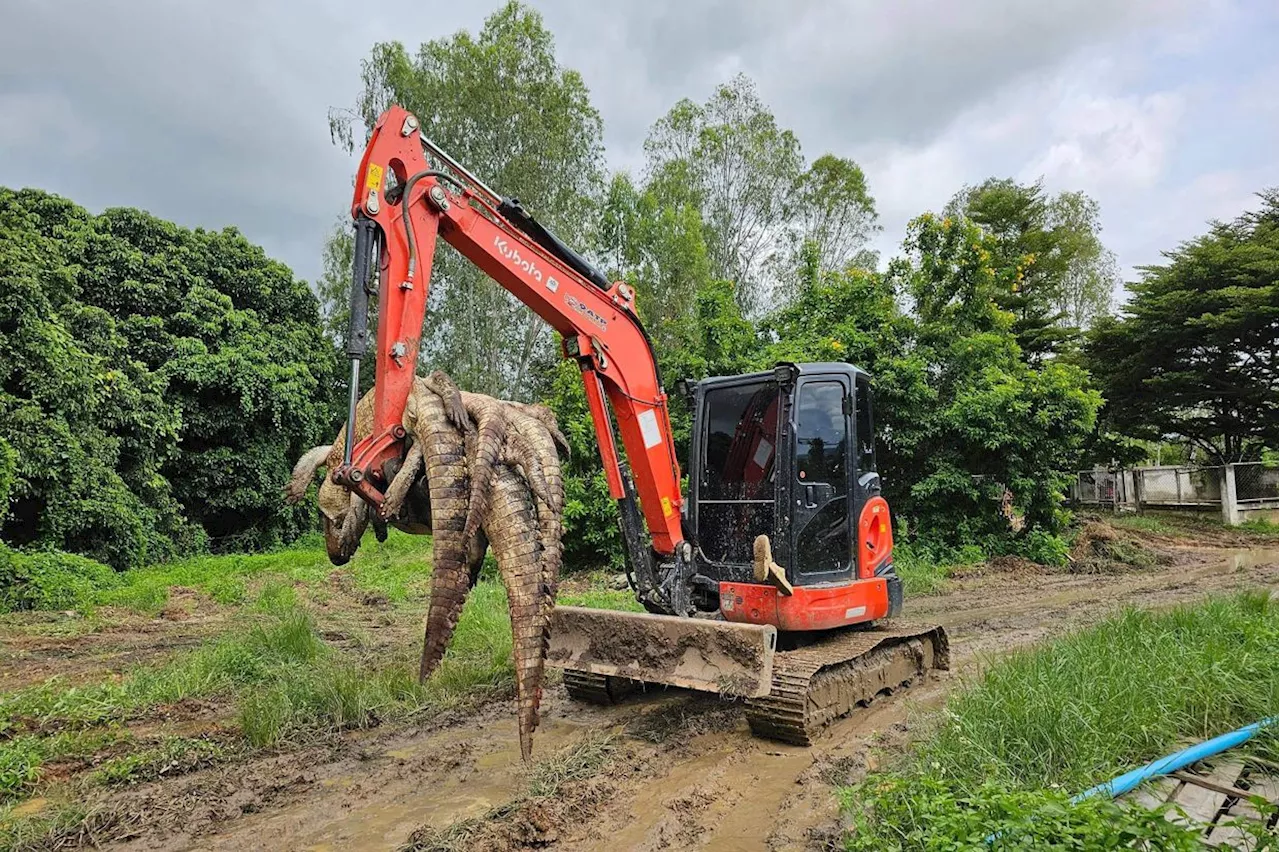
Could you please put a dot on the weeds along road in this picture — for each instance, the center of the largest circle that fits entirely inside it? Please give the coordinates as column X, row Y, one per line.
column 664, row 771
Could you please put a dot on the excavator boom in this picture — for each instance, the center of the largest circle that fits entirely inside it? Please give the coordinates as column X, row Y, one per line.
column 401, row 204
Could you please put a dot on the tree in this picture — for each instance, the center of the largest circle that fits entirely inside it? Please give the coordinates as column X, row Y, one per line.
column 1193, row 354
column 501, row 105
column 334, row 284
column 156, row 383
column 1090, row 274
column 985, row 419
column 729, row 158
column 760, row 206
column 833, row 217
column 1064, row 274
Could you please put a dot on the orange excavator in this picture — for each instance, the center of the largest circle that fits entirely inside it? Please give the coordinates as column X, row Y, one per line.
column 771, row 580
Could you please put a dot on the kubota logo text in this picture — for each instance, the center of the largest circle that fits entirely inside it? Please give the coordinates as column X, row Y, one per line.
column 524, row 264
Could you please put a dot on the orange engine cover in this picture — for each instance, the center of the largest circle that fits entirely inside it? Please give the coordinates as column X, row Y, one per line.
column 809, row 608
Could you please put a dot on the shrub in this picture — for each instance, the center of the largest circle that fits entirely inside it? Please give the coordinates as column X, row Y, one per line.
column 50, row 580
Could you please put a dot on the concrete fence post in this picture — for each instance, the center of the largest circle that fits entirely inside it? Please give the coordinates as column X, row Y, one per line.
column 1230, row 508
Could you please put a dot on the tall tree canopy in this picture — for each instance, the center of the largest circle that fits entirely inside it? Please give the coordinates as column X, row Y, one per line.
column 1193, row 354
column 758, row 202
column 499, row 103
column 1064, row 273
column 156, row 383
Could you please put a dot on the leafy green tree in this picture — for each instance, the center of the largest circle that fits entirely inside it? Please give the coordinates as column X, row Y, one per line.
column 960, row 415
column 832, row 218
column 334, row 284
column 499, row 103
column 156, row 383
column 989, row 420
column 659, row 249
column 729, row 158
column 8, row 464
column 1064, row 274
column 761, row 208
column 1193, row 354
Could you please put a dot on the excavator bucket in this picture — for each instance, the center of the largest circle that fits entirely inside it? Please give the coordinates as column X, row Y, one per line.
column 597, row 647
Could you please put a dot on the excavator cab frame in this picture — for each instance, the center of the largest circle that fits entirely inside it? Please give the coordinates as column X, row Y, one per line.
column 790, row 454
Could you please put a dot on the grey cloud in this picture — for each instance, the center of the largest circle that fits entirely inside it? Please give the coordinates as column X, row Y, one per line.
column 214, row 114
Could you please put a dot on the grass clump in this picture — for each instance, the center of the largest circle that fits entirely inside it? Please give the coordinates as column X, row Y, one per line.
column 1040, row 724
column 584, row 759
column 172, row 756
column 600, row 594
column 21, row 757
column 338, row 693
column 50, row 580
column 58, row 826
column 924, row 570
column 508, row 826
column 233, row 661
column 909, row 813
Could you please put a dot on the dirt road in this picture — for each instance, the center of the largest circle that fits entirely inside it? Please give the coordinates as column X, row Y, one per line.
column 665, row 771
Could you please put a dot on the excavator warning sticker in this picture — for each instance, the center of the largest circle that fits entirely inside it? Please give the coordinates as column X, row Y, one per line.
column 373, row 178
column 649, row 429
column 666, row 507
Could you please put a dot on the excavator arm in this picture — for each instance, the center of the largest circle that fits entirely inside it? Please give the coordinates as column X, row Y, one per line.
column 402, row 203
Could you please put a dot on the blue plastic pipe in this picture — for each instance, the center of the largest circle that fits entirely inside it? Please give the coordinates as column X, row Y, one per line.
column 1172, row 763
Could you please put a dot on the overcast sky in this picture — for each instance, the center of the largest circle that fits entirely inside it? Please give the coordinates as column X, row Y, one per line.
column 214, row 113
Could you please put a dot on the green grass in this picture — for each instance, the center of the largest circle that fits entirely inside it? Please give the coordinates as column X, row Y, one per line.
column 599, row 595
column 58, row 826
column 1190, row 523
column 1057, row 719
column 22, row 756
column 241, row 658
column 925, row 572
column 1260, row 526
column 337, row 692
column 398, row 568
column 171, row 756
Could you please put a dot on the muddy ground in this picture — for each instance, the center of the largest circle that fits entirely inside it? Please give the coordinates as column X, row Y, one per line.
column 666, row 770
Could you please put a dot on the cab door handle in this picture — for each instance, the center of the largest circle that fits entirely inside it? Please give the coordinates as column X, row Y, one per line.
column 808, row 498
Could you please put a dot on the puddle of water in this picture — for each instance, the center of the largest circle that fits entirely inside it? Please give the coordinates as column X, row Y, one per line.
column 1241, row 560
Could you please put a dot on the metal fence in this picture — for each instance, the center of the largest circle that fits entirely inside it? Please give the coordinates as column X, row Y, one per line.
column 1256, row 484
column 1251, row 484
column 1101, row 487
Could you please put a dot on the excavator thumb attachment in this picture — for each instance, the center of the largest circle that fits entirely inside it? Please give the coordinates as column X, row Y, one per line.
column 597, row 647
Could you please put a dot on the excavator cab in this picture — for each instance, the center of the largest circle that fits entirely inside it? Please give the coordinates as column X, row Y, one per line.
column 789, row 454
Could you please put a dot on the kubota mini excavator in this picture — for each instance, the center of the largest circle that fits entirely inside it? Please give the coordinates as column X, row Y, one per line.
column 770, row 579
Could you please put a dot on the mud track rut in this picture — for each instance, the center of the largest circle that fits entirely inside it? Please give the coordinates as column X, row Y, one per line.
column 687, row 773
